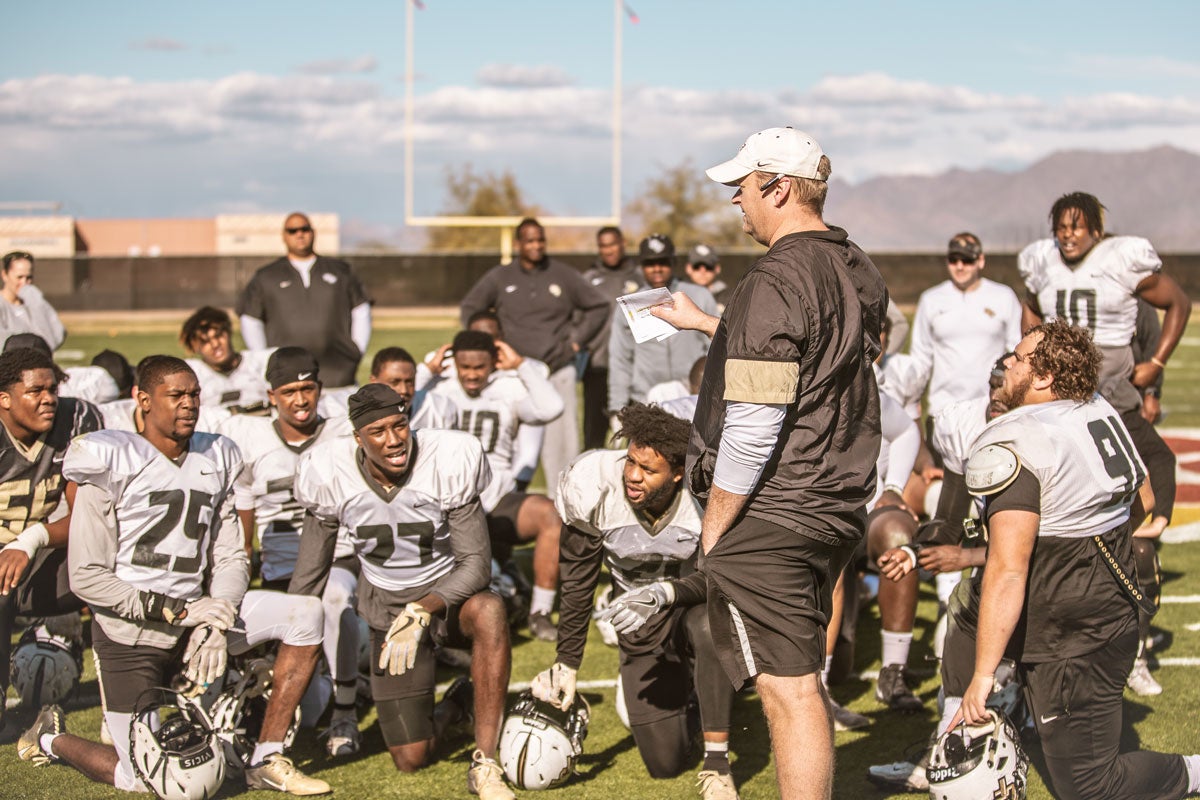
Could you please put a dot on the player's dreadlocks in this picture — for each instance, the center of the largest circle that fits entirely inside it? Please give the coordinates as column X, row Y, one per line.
column 19, row 360
column 650, row 426
column 1086, row 204
column 1067, row 352
column 152, row 370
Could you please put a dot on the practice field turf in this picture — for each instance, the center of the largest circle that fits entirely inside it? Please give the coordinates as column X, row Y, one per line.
column 610, row 767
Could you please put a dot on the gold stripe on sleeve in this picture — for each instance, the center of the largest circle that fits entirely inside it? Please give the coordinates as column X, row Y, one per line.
column 761, row 381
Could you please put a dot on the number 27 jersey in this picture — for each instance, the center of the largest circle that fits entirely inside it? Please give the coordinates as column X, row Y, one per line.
column 401, row 536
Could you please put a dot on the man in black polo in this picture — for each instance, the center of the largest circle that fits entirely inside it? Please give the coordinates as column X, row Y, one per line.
column 310, row 301
column 536, row 299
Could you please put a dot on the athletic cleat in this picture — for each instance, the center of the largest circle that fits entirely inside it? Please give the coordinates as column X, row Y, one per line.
column 279, row 773
column 342, row 737
column 542, row 627
column 892, row 690
column 486, row 779
column 1141, row 681
column 714, row 785
column 903, row 775
column 846, row 720
column 29, row 747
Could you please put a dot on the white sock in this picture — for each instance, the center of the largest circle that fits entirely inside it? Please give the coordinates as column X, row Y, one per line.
column 945, row 583
column 896, row 647
column 1192, row 765
column 543, row 600
column 47, row 742
column 953, row 704
column 825, row 671
column 344, row 695
column 264, row 749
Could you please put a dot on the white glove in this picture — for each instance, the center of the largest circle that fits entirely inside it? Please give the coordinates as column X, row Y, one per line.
column 630, row 611
column 555, row 686
column 403, row 638
column 209, row 611
column 204, row 659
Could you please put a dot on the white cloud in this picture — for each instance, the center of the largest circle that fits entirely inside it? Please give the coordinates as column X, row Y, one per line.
column 340, row 66
column 296, row 133
column 516, row 76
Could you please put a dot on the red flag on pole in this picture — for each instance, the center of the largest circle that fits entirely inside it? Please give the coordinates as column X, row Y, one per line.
column 633, row 17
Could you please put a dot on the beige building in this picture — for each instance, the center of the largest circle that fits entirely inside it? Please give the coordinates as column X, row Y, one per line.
column 224, row 235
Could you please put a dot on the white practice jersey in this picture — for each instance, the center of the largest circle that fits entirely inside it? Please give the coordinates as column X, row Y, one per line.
column 1083, row 457
column 898, row 447
column 265, row 486
column 955, row 429
column 245, row 386
column 93, row 384
column 402, row 537
column 682, row 407
column 957, row 337
column 118, row 416
column 900, row 377
column 166, row 513
column 591, row 498
column 493, row 417
column 1098, row 292
column 667, row 390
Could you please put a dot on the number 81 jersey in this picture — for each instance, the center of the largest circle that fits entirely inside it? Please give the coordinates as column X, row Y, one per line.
column 401, row 536
column 167, row 513
column 1083, row 458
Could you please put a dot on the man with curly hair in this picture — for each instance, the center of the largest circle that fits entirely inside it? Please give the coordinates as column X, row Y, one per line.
column 631, row 511
column 1060, row 477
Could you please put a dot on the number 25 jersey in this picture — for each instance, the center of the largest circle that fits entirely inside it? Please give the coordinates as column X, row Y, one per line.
column 167, row 513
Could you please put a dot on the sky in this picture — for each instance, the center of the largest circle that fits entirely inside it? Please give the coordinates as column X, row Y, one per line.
column 153, row 109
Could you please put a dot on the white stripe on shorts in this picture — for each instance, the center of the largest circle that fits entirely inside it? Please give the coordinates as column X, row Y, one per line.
column 743, row 640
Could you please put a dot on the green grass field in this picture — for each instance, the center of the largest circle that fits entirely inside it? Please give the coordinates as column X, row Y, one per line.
column 610, row 766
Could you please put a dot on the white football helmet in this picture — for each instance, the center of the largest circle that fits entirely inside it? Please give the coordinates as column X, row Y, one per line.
column 539, row 743
column 178, row 757
column 45, row 667
column 970, row 762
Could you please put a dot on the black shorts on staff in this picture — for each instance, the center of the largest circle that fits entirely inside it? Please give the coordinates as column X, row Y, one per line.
column 770, row 592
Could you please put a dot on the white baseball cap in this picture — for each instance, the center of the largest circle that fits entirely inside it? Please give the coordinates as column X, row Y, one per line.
column 783, row 151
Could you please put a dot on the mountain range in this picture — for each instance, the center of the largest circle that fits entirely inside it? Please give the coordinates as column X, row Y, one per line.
column 1153, row 193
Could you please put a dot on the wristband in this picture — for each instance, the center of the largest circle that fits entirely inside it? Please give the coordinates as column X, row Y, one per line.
column 163, row 608
column 1152, row 391
column 891, row 487
column 911, row 553
column 1160, row 364
column 30, row 540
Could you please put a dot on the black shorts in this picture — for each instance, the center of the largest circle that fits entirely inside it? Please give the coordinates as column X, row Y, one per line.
column 770, row 593
column 419, row 680
column 126, row 671
column 502, row 521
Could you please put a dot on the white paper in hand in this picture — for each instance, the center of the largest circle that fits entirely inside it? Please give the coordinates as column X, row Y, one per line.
column 636, row 310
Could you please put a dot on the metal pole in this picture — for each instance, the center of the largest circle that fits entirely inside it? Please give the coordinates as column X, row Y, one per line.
column 618, row 25
column 408, row 111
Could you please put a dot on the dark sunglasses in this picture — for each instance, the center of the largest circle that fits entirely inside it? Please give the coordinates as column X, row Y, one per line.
column 708, row 267
column 966, row 262
column 300, row 229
